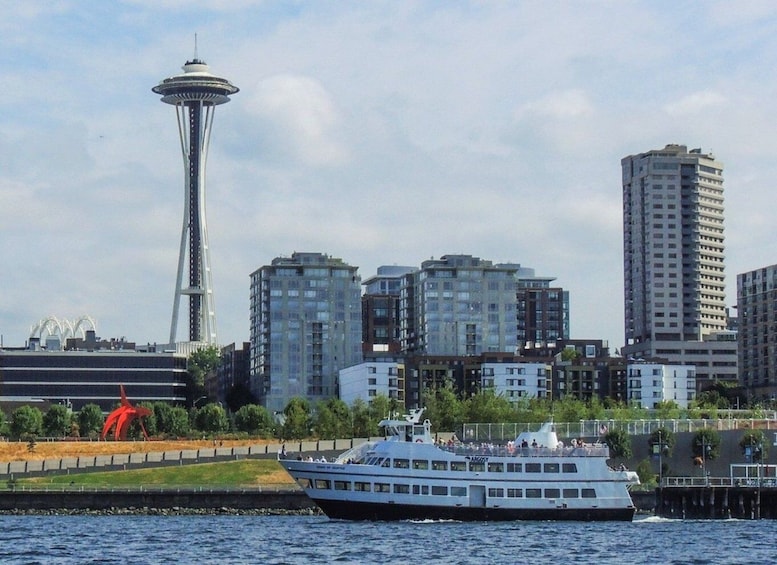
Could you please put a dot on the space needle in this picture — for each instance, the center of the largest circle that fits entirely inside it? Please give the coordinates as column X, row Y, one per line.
column 195, row 95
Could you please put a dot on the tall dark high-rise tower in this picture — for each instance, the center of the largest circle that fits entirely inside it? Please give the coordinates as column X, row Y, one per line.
column 195, row 94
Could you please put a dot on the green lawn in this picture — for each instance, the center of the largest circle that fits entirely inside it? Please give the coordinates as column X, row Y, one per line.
column 244, row 473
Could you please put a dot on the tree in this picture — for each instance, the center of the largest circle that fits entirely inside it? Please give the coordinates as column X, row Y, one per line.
column 333, row 419
column 149, row 422
column 254, row 419
column 619, row 442
column 363, row 423
column 177, row 422
column 26, row 421
column 667, row 410
column 662, row 438
column 297, row 419
column 238, row 396
column 5, row 427
column 569, row 409
column 488, row 407
column 90, row 420
column 754, row 446
column 200, row 363
column 645, row 472
column 443, row 408
column 56, row 421
column 211, row 418
column 705, row 445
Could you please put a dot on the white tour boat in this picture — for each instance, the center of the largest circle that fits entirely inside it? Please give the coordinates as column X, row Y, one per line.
column 409, row 476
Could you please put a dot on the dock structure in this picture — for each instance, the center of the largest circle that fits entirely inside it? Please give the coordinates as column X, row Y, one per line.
column 750, row 493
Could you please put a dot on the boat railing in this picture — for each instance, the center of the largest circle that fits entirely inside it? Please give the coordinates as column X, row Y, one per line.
column 709, row 481
column 486, row 450
column 356, row 453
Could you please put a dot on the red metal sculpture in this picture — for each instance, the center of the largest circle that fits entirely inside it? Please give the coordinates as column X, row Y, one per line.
column 123, row 416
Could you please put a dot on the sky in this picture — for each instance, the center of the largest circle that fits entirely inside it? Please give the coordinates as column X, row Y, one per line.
column 379, row 132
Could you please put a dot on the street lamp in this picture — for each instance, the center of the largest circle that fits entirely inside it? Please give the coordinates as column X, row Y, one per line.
column 658, row 449
column 755, row 455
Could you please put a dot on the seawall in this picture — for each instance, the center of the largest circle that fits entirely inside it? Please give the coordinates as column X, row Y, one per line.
column 142, row 499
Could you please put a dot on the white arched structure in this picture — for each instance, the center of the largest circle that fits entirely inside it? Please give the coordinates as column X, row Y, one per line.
column 62, row 329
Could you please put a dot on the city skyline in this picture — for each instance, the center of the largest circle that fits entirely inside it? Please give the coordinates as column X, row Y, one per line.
column 381, row 134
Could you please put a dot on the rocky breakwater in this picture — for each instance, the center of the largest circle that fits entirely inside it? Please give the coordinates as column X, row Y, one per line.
column 208, row 501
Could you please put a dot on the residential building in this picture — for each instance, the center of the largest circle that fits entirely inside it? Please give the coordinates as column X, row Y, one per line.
column 651, row 383
column 306, row 326
column 459, row 305
column 542, row 311
column 380, row 310
column 757, row 309
column 580, row 367
column 367, row 380
column 517, row 380
column 673, row 255
column 232, row 376
column 406, row 378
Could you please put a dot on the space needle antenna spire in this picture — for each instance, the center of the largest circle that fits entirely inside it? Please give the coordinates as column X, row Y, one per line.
column 195, row 94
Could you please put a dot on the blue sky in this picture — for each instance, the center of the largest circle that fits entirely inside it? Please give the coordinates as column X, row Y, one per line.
column 378, row 132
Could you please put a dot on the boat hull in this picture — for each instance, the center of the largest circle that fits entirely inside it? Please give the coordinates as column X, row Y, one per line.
column 350, row 510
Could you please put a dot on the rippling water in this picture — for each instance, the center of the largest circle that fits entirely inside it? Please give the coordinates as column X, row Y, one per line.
column 311, row 540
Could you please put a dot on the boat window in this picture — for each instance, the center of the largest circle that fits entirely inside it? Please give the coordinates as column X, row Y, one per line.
column 440, row 491
column 533, row 468
column 552, row 493
column 588, row 493
column 420, row 489
column 477, row 466
column 496, row 493
column 322, row 483
column 420, row 464
column 303, row 482
column 514, row 493
column 402, row 463
column 569, row 467
column 458, row 465
column 342, row 485
column 382, row 487
column 496, row 467
column 385, row 463
column 571, row 493
column 514, row 467
column 440, row 465
column 551, row 467
column 363, row 487
column 533, row 493
column 458, row 491
column 402, row 489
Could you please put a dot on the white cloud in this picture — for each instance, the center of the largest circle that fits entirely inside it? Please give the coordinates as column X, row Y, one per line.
column 299, row 115
column 695, row 102
column 559, row 105
column 381, row 133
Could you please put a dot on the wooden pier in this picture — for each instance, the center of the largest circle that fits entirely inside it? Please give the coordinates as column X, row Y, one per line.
column 750, row 493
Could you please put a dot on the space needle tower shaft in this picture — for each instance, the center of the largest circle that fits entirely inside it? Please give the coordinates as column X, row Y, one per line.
column 195, row 94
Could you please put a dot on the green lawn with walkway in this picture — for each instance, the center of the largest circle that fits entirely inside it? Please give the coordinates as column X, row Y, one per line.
column 246, row 473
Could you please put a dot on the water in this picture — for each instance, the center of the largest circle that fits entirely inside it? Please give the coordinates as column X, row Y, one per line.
column 311, row 540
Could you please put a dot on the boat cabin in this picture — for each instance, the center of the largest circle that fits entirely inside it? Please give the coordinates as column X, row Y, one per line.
column 409, row 428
